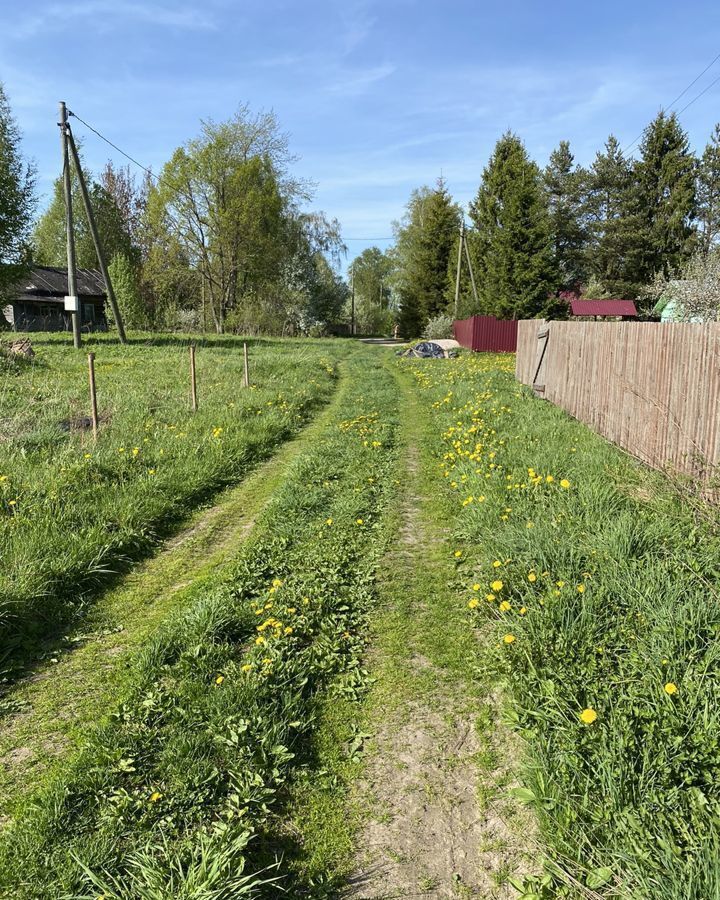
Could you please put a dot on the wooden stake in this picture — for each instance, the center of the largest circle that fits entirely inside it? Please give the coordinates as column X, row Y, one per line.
column 246, row 379
column 93, row 394
column 193, row 379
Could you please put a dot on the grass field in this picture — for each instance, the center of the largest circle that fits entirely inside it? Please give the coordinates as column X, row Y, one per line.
column 73, row 514
column 437, row 546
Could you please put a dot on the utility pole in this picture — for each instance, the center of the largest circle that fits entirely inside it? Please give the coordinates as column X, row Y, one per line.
column 352, row 301
column 76, row 313
column 472, row 274
column 96, row 237
column 459, row 264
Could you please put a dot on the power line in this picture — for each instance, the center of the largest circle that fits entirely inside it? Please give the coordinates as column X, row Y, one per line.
column 682, row 94
column 712, row 84
column 114, row 146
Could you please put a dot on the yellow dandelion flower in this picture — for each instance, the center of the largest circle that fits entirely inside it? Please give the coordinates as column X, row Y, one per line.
column 358, row 521
column 155, row 796
column 220, row 679
column 523, row 610
column 247, row 667
column 588, row 716
column 549, row 479
column 504, row 606
column 476, row 587
column 496, row 586
column 581, row 589
column 670, row 688
column 260, row 640
column 497, row 564
column 490, row 597
column 532, row 577
column 509, row 638
column 458, row 554
column 564, row 483
column 328, row 521
column 473, row 603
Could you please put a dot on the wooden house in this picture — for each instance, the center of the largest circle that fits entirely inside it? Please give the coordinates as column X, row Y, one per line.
column 37, row 303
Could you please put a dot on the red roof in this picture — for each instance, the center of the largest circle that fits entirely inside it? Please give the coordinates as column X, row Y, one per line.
column 603, row 308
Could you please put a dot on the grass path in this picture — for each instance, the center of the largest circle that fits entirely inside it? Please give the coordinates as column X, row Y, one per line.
column 438, row 818
column 413, row 800
column 50, row 712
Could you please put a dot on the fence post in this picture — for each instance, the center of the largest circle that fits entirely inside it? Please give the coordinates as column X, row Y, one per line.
column 93, row 394
column 193, row 379
column 246, row 379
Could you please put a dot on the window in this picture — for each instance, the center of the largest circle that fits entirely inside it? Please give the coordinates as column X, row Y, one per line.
column 88, row 312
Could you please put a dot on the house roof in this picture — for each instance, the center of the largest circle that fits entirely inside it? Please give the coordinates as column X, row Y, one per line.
column 49, row 280
column 603, row 308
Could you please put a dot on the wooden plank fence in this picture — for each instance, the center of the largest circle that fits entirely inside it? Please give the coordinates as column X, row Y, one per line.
column 652, row 388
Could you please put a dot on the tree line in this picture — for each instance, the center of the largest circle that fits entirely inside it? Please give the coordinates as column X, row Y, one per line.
column 539, row 236
column 220, row 239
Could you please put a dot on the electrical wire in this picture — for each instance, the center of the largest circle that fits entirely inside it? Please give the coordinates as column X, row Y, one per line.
column 682, row 94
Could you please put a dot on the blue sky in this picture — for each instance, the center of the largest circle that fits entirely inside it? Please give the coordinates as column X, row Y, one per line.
column 379, row 98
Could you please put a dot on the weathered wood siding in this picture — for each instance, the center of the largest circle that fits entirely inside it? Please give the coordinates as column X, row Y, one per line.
column 652, row 388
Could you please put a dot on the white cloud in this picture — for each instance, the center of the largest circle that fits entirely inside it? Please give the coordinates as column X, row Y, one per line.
column 56, row 16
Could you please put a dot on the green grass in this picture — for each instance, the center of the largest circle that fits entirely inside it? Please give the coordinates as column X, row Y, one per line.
column 73, row 514
column 178, row 792
column 608, row 595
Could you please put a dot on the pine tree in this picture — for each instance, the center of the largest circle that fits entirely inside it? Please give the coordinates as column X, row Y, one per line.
column 612, row 229
column 425, row 241
column 708, row 193
column 17, row 199
column 664, row 201
column 513, row 244
column 564, row 183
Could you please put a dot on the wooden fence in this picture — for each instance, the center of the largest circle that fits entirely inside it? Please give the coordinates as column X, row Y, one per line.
column 652, row 388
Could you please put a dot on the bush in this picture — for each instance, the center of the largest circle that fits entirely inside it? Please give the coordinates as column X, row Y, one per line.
column 438, row 328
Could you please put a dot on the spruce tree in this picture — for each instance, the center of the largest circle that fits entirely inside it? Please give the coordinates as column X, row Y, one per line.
column 513, row 242
column 612, row 229
column 708, row 193
column 664, row 201
column 564, row 183
column 425, row 241
column 17, row 200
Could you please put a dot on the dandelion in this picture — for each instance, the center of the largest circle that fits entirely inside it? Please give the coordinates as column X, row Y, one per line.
column 497, row 564
column 87, row 456
column 670, row 688
column 588, row 716
column 549, row 479
column 358, row 521
column 260, row 640
column 581, row 589
column 504, row 606
column 458, row 554
column 247, row 667
column 509, row 639
column 220, row 679
column 490, row 597
column 328, row 521
column 564, row 483
column 496, row 586
column 523, row 610
column 155, row 796
column 532, row 577
column 476, row 587
column 473, row 603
